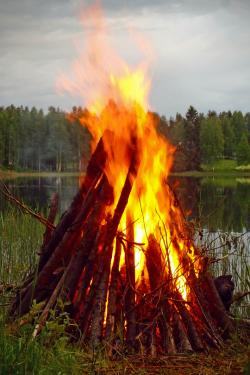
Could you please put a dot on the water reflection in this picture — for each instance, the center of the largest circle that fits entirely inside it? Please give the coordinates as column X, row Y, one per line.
column 199, row 197
column 224, row 201
column 38, row 191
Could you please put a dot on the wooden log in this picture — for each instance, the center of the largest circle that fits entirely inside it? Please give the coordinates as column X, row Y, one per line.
column 180, row 336
column 216, row 305
column 90, row 267
column 60, row 251
column 46, row 238
column 152, row 341
column 130, row 311
column 191, row 329
column 157, row 275
column 95, row 165
column 50, row 304
column 155, row 263
column 98, row 315
column 87, row 311
column 188, row 270
column 119, row 311
column 94, row 221
column 112, row 302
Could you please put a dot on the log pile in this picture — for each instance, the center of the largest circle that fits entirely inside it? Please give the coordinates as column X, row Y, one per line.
column 81, row 264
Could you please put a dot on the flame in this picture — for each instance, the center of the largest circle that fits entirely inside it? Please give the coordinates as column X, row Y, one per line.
column 116, row 96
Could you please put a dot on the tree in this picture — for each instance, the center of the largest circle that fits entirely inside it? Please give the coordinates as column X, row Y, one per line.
column 238, row 125
column 211, row 140
column 191, row 138
column 228, row 134
column 243, row 151
column 58, row 147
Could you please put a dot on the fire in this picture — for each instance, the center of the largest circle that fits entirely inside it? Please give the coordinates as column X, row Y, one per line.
column 117, row 98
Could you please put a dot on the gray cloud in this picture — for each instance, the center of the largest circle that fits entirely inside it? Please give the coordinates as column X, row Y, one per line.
column 201, row 48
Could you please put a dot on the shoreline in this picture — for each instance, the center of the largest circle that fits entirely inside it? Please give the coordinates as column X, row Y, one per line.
column 232, row 173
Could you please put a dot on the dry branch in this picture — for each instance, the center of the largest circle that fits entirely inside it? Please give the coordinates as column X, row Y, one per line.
column 96, row 329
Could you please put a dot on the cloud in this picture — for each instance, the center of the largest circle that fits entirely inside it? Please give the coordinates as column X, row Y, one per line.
column 201, row 48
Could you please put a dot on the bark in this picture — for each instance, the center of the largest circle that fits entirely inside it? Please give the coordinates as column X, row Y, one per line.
column 155, row 263
column 111, row 313
column 130, row 295
column 216, row 306
column 94, row 221
column 152, row 342
column 157, row 275
column 201, row 304
column 90, row 267
column 50, row 304
column 181, row 340
column 166, row 330
column 191, row 329
column 89, row 301
column 99, row 309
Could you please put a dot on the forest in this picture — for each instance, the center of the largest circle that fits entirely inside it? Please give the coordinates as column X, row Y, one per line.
column 33, row 141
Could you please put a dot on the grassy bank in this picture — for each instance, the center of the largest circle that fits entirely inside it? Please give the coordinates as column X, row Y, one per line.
column 13, row 174
column 51, row 353
column 222, row 168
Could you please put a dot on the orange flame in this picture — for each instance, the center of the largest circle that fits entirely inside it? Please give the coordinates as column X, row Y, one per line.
column 117, row 97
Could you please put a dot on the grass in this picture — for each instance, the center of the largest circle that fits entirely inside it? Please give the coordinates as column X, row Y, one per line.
column 224, row 167
column 51, row 352
column 21, row 239
column 14, row 174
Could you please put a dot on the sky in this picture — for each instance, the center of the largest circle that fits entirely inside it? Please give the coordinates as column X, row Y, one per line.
column 201, row 51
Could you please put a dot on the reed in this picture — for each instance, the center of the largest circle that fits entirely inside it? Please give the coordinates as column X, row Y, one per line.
column 51, row 351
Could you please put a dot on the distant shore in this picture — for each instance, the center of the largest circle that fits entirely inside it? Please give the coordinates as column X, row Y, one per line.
column 13, row 174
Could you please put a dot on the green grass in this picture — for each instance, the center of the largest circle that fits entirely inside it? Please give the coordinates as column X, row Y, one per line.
column 14, row 174
column 221, row 165
column 51, row 352
column 21, row 239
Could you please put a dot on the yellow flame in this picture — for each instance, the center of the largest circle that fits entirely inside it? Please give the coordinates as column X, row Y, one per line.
column 117, row 97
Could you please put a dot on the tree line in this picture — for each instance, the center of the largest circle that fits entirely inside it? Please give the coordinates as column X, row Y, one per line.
column 31, row 140
column 201, row 140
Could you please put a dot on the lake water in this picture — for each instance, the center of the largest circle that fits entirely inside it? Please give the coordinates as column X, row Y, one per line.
column 198, row 196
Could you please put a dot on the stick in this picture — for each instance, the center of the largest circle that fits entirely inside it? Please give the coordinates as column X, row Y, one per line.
column 216, row 306
column 226, row 256
column 191, row 329
column 110, row 325
column 16, row 202
column 180, row 335
column 49, row 304
column 94, row 221
column 96, row 329
column 157, row 275
column 130, row 296
column 59, row 253
column 91, row 264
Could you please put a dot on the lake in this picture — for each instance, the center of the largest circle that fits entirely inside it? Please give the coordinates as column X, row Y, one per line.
column 223, row 201
column 198, row 196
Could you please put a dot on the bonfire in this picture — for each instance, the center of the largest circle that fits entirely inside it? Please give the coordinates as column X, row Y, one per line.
column 122, row 260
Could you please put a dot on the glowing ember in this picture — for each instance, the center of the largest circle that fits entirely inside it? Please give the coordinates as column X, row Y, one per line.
column 117, row 97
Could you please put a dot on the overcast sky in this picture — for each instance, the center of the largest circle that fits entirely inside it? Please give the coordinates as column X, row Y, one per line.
column 201, row 49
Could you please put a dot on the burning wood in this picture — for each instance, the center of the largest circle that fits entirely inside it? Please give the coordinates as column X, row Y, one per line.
column 168, row 304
